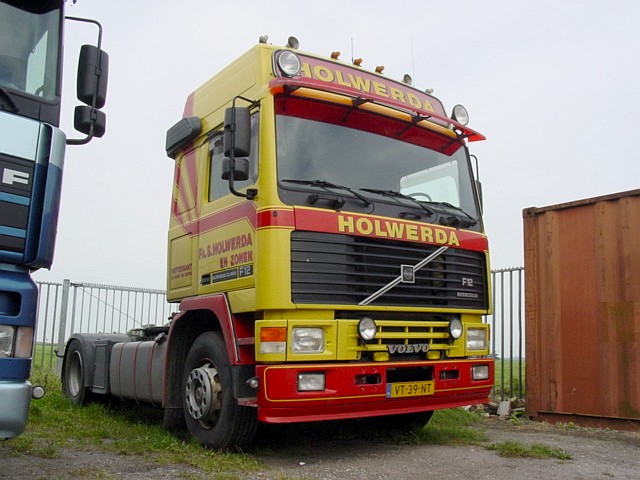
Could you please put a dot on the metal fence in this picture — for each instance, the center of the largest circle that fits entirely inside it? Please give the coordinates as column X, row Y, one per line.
column 507, row 331
column 67, row 307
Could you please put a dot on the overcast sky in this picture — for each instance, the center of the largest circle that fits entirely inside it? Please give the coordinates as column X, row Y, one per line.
column 554, row 86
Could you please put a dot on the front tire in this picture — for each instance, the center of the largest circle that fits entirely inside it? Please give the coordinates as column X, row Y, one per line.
column 211, row 412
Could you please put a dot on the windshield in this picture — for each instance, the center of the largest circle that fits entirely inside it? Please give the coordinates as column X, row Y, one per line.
column 338, row 150
column 30, row 47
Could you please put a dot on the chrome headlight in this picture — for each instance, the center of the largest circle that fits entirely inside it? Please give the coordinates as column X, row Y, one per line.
column 288, row 63
column 311, row 382
column 480, row 372
column 367, row 328
column 476, row 339
column 307, row 340
column 16, row 342
column 6, row 340
column 455, row 328
column 460, row 115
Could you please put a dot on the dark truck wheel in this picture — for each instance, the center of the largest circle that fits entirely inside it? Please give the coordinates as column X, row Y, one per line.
column 73, row 374
column 212, row 415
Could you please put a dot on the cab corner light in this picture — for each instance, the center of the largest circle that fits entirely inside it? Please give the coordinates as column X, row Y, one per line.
column 460, row 115
column 288, row 63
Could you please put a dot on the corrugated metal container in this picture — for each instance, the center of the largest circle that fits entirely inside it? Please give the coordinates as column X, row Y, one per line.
column 582, row 296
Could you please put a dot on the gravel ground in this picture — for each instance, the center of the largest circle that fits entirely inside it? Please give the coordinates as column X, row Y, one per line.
column 596, row 454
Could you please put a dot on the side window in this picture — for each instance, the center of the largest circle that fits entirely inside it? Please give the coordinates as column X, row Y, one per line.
column 218, row 187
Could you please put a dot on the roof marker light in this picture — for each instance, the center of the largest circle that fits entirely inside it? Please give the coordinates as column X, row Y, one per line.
column 263, row 38
column 380, row 69
column 407, row 79
column 335, row 55
column 292, row 42
column 357, row 62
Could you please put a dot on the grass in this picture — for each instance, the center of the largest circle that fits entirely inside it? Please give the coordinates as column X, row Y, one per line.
column 129, row 430
column 56, row 424
column 452, row 426
column 509, row 378
column 44, row 355
column 511, row 448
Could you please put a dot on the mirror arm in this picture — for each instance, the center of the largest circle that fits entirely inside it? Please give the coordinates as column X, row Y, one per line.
column 89, row 137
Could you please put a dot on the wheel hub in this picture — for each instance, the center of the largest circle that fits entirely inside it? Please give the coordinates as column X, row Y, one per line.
column 202, row 392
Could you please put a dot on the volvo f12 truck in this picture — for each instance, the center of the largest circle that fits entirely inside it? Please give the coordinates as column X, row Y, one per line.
column 327, row 251
column 32, row 151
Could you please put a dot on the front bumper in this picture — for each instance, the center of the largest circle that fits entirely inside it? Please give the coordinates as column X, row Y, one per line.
column 355, row 390
column 14, row 410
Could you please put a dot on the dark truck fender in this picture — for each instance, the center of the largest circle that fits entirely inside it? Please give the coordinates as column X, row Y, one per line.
column 95, row 349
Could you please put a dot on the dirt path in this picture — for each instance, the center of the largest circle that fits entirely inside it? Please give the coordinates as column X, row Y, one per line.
column 596, row 454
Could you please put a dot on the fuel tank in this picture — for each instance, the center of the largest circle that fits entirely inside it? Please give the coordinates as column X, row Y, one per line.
column 136, row 371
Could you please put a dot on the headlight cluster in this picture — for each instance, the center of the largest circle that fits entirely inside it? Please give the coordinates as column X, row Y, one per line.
column 15, row 341
column 6, row 340
column 307, row 340
column 476, row 339
column 303, row 340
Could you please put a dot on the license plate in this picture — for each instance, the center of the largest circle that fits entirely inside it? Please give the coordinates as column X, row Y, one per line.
column 409, row 389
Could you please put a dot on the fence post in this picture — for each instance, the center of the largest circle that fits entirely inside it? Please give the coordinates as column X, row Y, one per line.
column 64, row 303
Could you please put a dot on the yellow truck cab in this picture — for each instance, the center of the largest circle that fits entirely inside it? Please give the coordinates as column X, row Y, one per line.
column 326, row 246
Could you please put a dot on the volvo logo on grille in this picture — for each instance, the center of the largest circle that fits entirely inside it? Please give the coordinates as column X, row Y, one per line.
column 408, row 274
column 411, row 348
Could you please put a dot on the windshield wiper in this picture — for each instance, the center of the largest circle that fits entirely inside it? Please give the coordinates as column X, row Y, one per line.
column 327, row 185
column 457, row 221
column 395, row 194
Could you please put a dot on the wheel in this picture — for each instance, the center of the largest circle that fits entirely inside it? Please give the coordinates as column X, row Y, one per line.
column 212, row 414
column 73, row 375
column 420, row 194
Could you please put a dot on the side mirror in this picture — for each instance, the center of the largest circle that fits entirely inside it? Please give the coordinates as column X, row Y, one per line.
column 93, row 73
column 240, row 171
column 86, row 117
column 237, row 132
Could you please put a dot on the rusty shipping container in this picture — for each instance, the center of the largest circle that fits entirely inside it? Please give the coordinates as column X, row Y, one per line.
column 582, row 301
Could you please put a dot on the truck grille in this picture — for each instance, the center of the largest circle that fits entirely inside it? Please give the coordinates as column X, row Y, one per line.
column 341, row 269
column 434, row 332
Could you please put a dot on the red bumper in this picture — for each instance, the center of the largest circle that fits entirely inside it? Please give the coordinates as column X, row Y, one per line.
column 356, row 390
